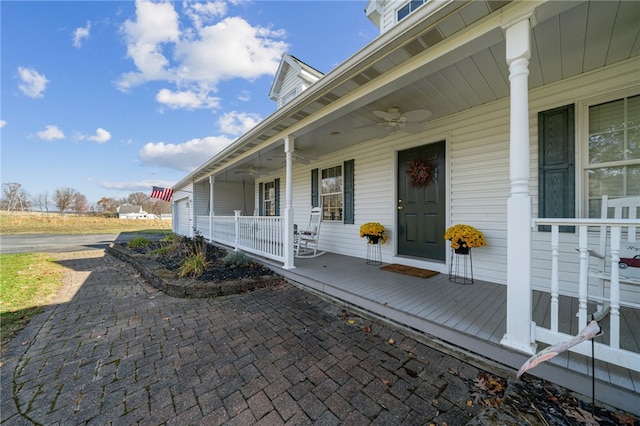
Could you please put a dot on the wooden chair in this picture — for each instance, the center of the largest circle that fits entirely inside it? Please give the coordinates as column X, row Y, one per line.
column 305, row 241
column 600, row 266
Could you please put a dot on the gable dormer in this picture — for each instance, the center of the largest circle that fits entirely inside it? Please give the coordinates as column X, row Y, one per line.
column 292, row 78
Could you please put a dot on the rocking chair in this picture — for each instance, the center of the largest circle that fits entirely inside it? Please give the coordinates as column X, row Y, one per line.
column 305, row 241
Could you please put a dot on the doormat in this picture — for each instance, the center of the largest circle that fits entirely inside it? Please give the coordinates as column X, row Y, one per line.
column 409, row 270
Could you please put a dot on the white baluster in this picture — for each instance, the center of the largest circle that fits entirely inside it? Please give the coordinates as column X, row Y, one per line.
column 584, row 277
column 614, row 296
column 554, row 278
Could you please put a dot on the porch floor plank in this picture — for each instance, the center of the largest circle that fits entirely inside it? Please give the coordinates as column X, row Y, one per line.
column 475, row 313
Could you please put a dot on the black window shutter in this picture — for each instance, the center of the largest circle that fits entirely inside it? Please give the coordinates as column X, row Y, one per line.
column 276, row 191
column 261, row 199
column 348, row 202
column 556, row 158
column 315, row 201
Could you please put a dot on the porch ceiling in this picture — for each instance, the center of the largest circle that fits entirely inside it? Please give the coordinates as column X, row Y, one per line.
column 568, row 39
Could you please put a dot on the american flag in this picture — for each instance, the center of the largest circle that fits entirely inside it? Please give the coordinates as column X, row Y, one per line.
column 162, row 193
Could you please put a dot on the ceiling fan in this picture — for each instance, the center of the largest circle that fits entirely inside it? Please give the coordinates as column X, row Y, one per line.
column 252, row 171
column 394, row 120
column 301, row 157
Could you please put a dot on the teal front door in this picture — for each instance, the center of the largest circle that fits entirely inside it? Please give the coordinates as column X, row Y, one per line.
column 421, row 202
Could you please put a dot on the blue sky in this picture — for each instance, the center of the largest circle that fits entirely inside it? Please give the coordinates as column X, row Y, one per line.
column 112, row 97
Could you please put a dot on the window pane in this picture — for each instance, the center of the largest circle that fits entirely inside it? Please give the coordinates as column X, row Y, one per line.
column 332, row 193
column 269, row 199
column 403, row 12
column 332, row 180
column 633, row 128
column 606, row 117
column 612, row 181
column 415, row 4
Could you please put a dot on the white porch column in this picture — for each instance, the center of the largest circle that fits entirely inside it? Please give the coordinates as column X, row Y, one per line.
column 212, row 180
column 519, row 333
column 288, row 210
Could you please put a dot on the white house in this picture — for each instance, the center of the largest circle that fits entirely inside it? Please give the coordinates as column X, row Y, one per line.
column 533, row 116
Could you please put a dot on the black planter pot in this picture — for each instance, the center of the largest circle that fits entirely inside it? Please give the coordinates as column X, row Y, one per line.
column 462, row 250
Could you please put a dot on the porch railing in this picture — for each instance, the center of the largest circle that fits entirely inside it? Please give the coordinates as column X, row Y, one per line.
column 259, row 235
column 611, row 351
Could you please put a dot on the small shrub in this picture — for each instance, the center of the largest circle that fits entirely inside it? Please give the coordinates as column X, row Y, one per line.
column 169, row 238
column 162, row 251
column 236, row 259
column 139, row 242
column 195, row 263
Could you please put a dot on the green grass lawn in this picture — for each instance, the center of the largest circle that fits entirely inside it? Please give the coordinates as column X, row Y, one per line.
column 28, row 281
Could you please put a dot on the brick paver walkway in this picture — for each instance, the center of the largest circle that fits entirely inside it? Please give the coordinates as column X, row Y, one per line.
column 114, row 351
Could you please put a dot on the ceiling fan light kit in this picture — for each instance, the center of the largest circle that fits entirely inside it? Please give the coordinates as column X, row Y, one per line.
column 395, row 120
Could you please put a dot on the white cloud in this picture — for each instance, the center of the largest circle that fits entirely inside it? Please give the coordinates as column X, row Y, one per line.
column 197, row 58
column 50, row 133
column 185, row 156
column 187, row 99
column 244, row 96
column 101, row 136
column 33, row 84
column 155, row 25
column 236, row 123
column 229, row 49
column 201, row 13
column 136, row 186
column 3, row 123
column 80, row 34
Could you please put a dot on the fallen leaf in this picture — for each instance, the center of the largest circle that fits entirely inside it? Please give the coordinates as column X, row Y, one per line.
column 351, row 322
column 582, row 416
column 392, row 341
column 366, row 329
column 469, row 403
column 625, row 419
column 385, row 381
column 165, row 319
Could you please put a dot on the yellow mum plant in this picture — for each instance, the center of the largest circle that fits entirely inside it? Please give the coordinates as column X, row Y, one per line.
column 464, row 236
column 374, row 232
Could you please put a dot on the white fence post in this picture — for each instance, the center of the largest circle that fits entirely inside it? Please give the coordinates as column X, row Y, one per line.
column 236, row 221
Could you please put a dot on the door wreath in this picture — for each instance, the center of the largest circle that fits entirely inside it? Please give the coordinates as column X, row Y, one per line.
column 420, row 172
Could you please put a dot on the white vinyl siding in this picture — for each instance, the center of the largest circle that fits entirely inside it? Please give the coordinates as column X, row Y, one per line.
column 291, row 87
column 228, row 197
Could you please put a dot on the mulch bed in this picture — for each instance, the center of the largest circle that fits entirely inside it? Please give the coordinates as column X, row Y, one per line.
column 162, row 271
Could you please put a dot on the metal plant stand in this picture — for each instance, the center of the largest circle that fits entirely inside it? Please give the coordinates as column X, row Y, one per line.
column 374, row 254
column 461, row 266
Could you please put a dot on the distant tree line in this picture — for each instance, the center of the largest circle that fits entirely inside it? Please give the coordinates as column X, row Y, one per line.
column 68, row 200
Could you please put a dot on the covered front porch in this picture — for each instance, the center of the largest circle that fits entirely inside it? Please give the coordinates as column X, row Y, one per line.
column 473, row 318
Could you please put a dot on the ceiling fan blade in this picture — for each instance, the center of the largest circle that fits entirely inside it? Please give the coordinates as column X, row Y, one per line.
column 383, row 114
column 413, row 127
column 417, row 115
column 383, row 133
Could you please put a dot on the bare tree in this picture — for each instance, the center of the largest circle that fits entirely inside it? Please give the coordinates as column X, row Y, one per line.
column 79, row 203
column 109, row 205
column 42, row 202
column 14, row 197
column 138, row 198
column 63, row 198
